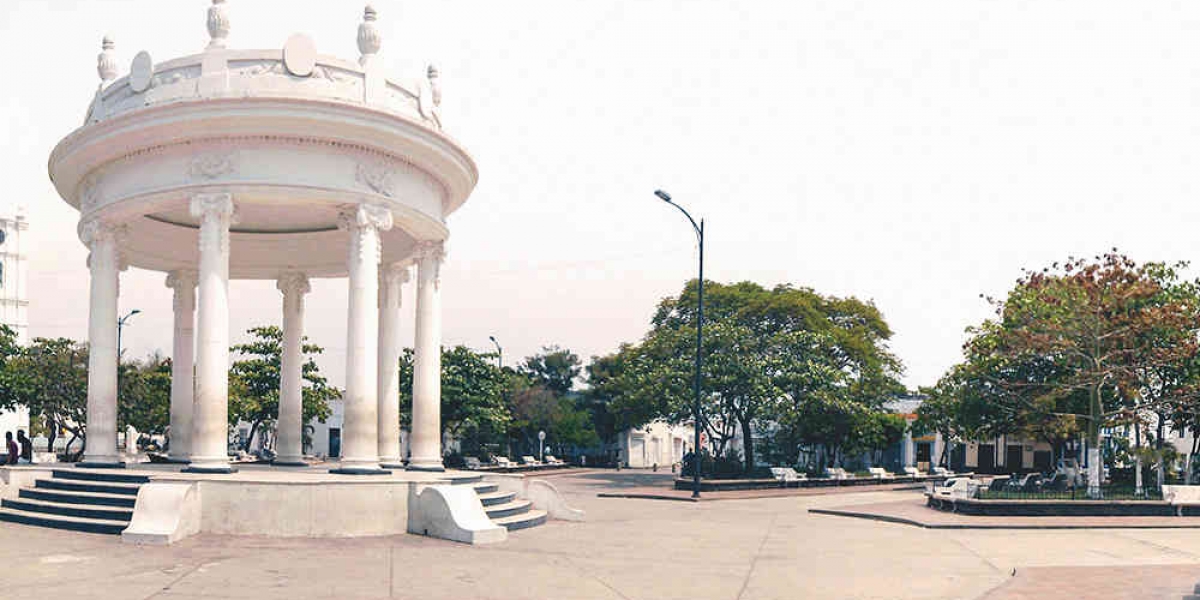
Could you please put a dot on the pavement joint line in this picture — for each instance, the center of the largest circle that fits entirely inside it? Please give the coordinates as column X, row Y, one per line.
column 758, row 553
column 167, row 588
column 976, row 554
column 1161, row 547
column 597, row 578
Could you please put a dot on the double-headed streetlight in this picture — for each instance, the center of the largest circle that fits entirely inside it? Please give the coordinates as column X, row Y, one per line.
column 499, row 352
column 120, row 326
column 697, row 461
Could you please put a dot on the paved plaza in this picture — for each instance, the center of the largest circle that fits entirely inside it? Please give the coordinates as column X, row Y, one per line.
column 628, row 549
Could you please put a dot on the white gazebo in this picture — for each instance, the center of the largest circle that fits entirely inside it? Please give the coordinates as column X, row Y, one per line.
column 267, row 164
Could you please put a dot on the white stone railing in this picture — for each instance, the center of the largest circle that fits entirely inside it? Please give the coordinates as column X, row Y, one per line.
column 263, row 74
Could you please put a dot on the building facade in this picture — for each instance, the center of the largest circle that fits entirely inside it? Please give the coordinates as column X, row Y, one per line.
column 14, row 298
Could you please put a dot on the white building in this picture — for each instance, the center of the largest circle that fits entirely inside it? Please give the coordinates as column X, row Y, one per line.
column 14, row 298
column 659, row 443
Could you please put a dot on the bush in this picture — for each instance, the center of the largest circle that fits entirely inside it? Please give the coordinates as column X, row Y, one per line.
column 728, row 466
column 455, row 460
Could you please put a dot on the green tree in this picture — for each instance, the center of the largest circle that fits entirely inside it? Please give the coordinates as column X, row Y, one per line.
column 49, row 377
column 254, row 382
column 144, row 396
column 769, row 355
column 1071, row 345
column 554, row 368
column 473, row 406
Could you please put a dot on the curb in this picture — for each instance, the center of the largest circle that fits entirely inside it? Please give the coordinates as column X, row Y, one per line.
column 913, row 523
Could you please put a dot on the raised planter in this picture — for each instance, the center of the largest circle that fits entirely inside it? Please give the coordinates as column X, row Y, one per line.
column 1059, row 508
column 725, row 485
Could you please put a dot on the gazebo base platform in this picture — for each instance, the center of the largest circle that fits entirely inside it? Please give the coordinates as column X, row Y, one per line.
column 157, row 504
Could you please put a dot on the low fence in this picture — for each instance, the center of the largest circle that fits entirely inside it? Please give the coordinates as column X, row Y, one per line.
column 1072, row 493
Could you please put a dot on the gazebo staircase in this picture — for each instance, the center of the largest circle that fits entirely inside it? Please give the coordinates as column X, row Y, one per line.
column 77, row 500
column 504, row 508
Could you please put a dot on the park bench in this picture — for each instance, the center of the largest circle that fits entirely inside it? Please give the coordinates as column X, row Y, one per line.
column 787, row 475
column 880, row 473
column 1181, row 496
column 473, row 463
column 553, row 461
column 502, row 461
column 914, row 473
column 529, row 461
column 837, row 473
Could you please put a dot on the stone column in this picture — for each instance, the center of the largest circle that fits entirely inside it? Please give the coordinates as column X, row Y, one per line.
column 426, row 438
column 391, row 281
column 289, row 442
column 360, row 433
column 182, row 384
column 104, row 264
column 210, row 418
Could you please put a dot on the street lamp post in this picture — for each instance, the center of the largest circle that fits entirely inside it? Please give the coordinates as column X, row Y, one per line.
column 499, row 352
column 699, row 229
column 120, row 326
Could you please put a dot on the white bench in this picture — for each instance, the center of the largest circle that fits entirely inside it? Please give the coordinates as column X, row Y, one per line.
column 1180, row 496
column 836, row 473
column 879, row 473
column 913, row 472
column 553, row 461
column 530, row 461
column 787, row 474
column 502, row 461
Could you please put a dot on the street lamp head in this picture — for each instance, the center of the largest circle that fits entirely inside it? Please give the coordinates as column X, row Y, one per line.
column 136, row 311
column 493, row 338
column 661, row 194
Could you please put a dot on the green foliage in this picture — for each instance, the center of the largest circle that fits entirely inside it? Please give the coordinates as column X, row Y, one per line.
column 473, row 396
column 144, row 396
column 554, row 369
column 50, row 378
column 778, row 355
column 254, row 382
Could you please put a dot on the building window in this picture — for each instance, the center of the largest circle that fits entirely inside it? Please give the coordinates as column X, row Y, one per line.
column 1, row 274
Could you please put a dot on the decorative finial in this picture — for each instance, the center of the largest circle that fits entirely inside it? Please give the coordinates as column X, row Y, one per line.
column 218, row 25
column 106, row 63
column 434, row 85
column 369, row 41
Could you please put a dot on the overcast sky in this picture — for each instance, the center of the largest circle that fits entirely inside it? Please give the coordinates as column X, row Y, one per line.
column 911, row 153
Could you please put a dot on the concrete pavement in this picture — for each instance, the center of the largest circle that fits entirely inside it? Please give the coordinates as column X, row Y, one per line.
column 628, row 549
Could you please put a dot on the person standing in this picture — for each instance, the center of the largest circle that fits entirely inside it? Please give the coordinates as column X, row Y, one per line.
column 12, row 452
column 26, row 447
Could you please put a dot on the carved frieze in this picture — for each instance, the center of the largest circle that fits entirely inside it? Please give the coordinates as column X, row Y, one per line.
column 213, row 165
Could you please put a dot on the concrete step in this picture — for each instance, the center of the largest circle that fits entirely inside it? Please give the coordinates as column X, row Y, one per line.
column 130, row 489
column 524, row 520
column 494, row 498
column 486, row 488
column 465, row 479
column 508, row 509
column 104, row 526
column 70, row 497
column 100, row 475
column 86, row 511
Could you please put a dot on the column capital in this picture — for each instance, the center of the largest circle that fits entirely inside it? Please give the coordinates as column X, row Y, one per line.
column 293, row 283
column 430, row 249
column 99, row 231
column 364, row 216
column 183, row 282
column 395, row 273
column 182, row 279
column 213, row 204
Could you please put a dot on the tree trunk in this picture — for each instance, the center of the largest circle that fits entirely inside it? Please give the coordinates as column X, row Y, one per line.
column 1095, row 469
column 1158, row 444
column 250, row 438
column 1138, row 489
column 748, row 445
